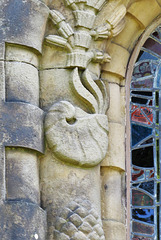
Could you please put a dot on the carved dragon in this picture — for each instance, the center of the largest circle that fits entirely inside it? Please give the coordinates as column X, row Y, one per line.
column 74, row 135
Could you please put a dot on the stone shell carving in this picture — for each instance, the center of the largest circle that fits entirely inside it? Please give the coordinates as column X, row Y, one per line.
column 79, row 221
column 74, row 135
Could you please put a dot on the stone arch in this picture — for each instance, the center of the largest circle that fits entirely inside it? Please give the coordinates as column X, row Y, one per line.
column 138, row 17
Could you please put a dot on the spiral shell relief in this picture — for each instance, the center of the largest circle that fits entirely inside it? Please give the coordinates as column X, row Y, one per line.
column 76, row 136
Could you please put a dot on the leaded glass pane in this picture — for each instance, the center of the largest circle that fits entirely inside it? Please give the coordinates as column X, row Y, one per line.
column 136, row 237
column 145, row 112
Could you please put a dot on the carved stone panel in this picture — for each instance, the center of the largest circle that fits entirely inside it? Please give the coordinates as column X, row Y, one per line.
column 74, row 135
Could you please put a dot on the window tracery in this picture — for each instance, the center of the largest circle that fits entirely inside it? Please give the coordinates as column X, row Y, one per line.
column 145, row 112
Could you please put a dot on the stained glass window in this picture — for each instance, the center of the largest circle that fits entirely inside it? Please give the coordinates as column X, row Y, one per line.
column 145, row 112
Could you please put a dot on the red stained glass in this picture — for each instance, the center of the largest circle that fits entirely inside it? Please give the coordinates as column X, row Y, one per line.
column 142, row 115
column 143, row 228
column 134, row 107
column 141, row 199
column 150, row 103
column 137, row 174
column 150, row 174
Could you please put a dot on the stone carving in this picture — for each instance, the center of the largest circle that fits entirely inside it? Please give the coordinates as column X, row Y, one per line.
column 79, row 221
column 74, row 135
column 78, row 42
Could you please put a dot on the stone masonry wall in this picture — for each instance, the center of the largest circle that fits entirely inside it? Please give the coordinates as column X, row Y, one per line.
column 63, row 66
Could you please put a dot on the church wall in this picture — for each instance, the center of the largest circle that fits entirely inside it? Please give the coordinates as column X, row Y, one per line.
column 39, row 72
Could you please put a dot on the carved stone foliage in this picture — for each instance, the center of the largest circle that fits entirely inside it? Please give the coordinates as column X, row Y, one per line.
column 76, row 136
column 77, row 41
column 79, row 221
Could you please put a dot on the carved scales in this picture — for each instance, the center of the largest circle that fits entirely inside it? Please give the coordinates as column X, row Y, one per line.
column 79, row 221
column 74, row 135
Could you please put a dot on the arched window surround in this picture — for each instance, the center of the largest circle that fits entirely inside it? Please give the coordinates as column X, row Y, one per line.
column 131, row 63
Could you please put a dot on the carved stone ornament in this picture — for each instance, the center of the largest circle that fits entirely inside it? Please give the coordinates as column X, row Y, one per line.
column 74, row 135
column 79, row 221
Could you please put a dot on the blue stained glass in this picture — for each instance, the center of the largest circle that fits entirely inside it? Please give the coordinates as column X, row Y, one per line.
column 146, row 55
column 159, row 78
column 144, row 215
column 139, row 133
column 148, row 186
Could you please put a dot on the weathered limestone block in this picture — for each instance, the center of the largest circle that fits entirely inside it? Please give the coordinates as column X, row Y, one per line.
column 22, row 83
column 21, row 119
column 123, row 104
column 21, row 220
column 17, row 18
column 21, row 122
column 22, row 175
column 22, row 54
column 112, row 77
column 119, row 60
column 111, row 194
column 116, row 150
column 53, row 57
column 114, row 230
column 136, row 9
column 114, row 112
column 132, row 31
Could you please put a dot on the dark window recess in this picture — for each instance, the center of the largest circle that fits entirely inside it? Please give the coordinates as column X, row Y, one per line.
column 139, row 100
column 144, row 93
column 155, row 34
column 148, row 141
column 143, row 157
column 136, row 185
